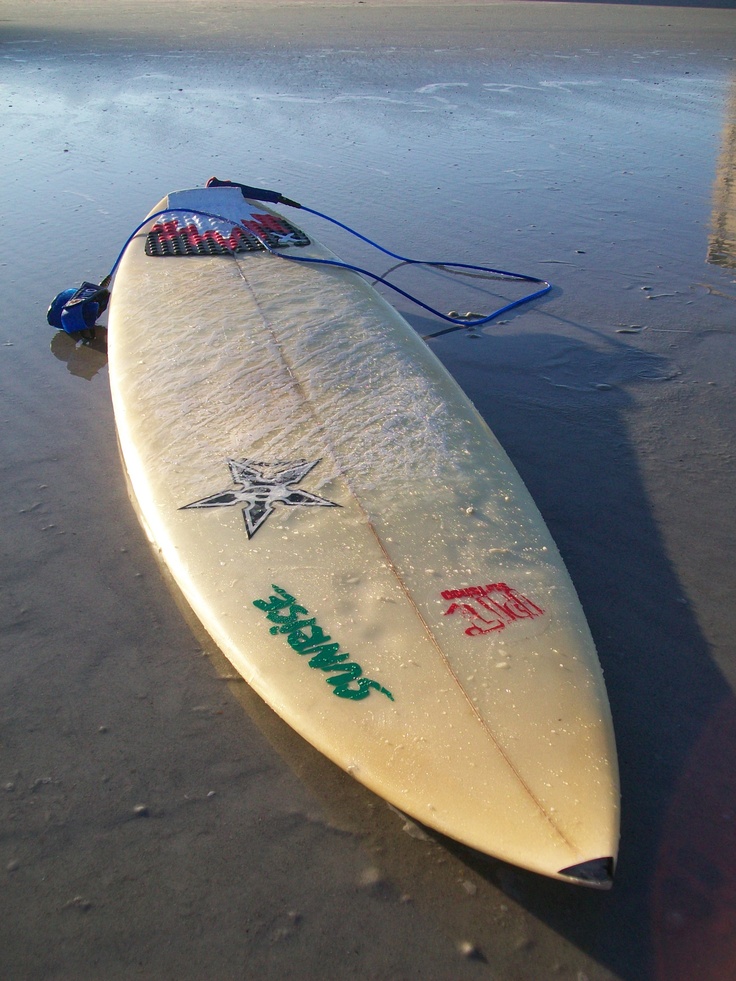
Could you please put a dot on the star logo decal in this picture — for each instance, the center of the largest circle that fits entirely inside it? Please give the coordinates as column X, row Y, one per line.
column 259, row 486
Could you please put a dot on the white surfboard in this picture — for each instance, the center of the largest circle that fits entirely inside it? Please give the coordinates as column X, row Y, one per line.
column 354, row 538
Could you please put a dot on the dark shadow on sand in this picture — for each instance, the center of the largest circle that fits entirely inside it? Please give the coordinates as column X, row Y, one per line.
column 556, row 406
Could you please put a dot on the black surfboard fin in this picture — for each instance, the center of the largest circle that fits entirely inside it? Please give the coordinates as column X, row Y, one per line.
column 598, row 872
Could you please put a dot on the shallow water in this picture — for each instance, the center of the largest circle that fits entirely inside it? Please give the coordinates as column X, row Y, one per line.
column 586, row 145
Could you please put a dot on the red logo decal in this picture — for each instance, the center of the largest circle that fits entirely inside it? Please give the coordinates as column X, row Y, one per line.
column 490, row 608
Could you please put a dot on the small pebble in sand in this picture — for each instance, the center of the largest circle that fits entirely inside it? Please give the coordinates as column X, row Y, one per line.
column 469, row 950
column 370, row 876
column 13, row 865
column 80, row 903
column 470, row 887
column 141, row 811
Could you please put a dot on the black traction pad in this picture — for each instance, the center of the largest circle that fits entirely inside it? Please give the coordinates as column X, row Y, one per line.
column 210, row 236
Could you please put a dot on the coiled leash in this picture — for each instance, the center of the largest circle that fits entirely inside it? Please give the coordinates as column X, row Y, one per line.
column 76, row 310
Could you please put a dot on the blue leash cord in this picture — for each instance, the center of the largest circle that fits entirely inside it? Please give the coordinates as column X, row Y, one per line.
column 457, row 322
column 161, row 214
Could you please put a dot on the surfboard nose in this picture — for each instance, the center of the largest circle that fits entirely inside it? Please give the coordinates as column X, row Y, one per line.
column 598, row 873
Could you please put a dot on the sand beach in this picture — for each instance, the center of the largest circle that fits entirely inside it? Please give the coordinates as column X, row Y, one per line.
column 157, row 820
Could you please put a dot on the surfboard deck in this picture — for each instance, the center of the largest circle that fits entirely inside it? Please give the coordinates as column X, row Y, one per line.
column 354, row 538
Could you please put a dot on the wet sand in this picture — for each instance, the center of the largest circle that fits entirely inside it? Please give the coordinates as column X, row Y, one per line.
column 158, row 821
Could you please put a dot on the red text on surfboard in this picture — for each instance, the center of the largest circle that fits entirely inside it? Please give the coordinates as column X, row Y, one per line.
column 490, row 608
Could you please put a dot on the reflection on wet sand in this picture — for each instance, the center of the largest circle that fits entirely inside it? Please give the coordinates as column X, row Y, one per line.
column 722, row 239
column 84, row 358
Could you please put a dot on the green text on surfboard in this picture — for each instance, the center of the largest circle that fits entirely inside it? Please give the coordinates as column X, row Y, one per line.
column 305, row 636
